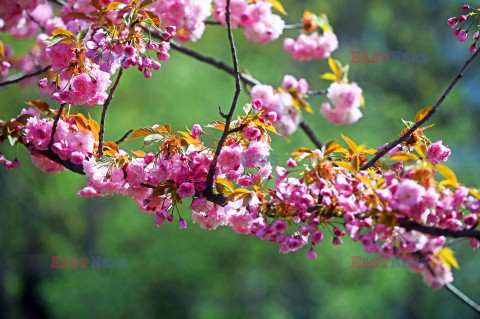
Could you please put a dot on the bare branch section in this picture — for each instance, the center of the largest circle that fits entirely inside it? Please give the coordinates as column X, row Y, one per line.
column 26, row 76
column 55, row 123
column 311, row 134
column 104, row 112
column 213, row 165
column 434, row 109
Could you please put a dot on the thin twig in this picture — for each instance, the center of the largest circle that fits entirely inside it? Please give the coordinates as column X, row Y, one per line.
column 213, row 165
column 26, row 76
column 55, row 123
column 462, row 297
column 104, row 113
column 316, row 92
column 434, row 109
column 293, row 26
column 124, row 137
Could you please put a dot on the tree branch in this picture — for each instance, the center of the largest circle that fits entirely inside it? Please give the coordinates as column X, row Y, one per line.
column 434, row 109
column 436, row 231
column 124, row 137
column 311, row 134
column 26, row 76
column 213, row 165
column 104, row 113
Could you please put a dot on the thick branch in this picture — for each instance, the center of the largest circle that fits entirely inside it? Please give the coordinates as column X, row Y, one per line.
column 435, row 231
column 54, row 157
column 434, row 109
column 104, row 112
column 213, row 165
column 26, row 76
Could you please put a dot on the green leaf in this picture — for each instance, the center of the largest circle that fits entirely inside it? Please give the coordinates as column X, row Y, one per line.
column 146, row 3
column 151, row 139
column 60, row 38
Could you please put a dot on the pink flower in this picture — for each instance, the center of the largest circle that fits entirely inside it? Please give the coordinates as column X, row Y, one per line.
column 462, row 36
column 230, row 157
column 182, row 224
column 256, row 154
column 279, row 226
column 452, row 22
column 312, row 254
column 291, row 163
column 196, row 131
column 186, row 190
column 407, row 195
column 252, row 133
column 312, row 46
column 340, row 116
column 437, row 152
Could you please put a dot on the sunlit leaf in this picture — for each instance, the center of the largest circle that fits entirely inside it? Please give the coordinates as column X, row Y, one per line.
column 277, row 5
column 329, row 76
column 403, row 157
column 152, row 16
column 447, row 257
column 224, row 186
column 63, row 32
column 421, row 114
column 335, row 67
column 447, row 173
column 351, row 144
column 116, row 6
column 349, row 167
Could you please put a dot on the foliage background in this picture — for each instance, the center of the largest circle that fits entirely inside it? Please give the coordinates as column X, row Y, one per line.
column 220, row 274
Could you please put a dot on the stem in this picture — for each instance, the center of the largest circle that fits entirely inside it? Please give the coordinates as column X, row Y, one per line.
column 434, row 109
column 26, row 76
column 104, row 113
column 462, row 297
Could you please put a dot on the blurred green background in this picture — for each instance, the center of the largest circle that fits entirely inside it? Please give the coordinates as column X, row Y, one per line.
column 195, row 273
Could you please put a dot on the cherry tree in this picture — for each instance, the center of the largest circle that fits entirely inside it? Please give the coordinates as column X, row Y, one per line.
column 397, row 201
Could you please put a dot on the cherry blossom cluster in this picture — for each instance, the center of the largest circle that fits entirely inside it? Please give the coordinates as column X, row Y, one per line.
column 187, row 16
column 255, row 17
column 310, row 44
column 346, row 97
column 463, row 31
column 282, row 106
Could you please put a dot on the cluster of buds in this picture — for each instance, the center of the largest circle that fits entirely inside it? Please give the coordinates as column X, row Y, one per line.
column 462, row 33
